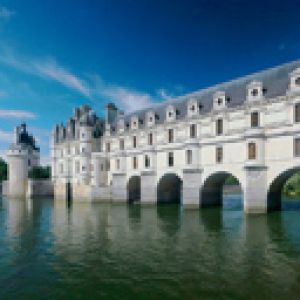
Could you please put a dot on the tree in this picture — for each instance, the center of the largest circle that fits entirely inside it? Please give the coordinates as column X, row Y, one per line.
column 3, row 170
column 39, row 172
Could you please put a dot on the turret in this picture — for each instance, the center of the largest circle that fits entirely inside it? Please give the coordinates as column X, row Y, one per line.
column 22, row 156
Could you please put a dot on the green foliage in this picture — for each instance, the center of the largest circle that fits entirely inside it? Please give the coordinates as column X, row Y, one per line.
column 231, row 180
column 292, row 186
column 3, row 170
column 39, row 172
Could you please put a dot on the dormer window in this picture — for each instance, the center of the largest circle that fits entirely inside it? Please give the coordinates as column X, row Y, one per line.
column 171, row 113
column 192, row 107
column 295, row 80
column 150, row 117
column 219, row 100
column 255, row 91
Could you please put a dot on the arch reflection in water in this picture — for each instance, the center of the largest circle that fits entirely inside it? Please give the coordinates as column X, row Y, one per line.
column 169, row 189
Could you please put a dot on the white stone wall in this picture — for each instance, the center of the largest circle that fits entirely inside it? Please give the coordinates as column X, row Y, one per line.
column 274, row 140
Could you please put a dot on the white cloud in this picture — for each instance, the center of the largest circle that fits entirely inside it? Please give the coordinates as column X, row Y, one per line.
column 16, row 114
column 6, row 13
column 92, row 88
column 47, row 68
column 52, row 70
column 6, row 136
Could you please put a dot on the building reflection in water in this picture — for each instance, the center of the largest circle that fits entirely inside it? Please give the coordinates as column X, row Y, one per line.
column 116, row 243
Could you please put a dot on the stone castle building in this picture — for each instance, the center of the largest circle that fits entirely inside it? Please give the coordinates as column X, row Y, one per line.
column 22, row 155
column 184, row 149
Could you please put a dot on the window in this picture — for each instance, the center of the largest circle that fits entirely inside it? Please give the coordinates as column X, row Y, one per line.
column 219, row 154
column 82, row 150
column 254, row 92
column 121, row 144
column 193, row 130
column 297, row 81
column 77, row 167
column 61, row 168
column 189, row 156
column 192, row 108
column 220, row 101
column 107, row 165
column 83, row 168
column 251, row 151
column 101, row 167
column 29, row 163
column 254, row 119
column 147, row 161
column 297, row 147
column 134, row 141
column 219, row 126
column 150, row 139
column 135, row 162
column 297, row 112
column 170, row 159
column 117, row 164
column 170, row 135
column 107, row 147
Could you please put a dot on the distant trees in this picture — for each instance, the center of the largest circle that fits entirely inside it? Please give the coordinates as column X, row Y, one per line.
column 3, row 170
column 39, row 172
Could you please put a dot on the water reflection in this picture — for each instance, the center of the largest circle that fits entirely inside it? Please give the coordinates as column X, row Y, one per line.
column 120, row 251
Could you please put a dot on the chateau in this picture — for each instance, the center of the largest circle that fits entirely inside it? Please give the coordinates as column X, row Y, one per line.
column 184, row 149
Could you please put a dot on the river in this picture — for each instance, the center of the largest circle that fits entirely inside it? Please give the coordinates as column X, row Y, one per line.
column 115, row 251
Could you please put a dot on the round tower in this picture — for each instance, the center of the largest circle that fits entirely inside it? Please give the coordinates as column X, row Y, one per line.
column 17, row 158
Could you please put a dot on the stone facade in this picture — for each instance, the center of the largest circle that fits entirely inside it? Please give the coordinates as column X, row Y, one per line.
column 248, row 128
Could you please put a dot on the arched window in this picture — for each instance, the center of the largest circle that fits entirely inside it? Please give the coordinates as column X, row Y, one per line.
column 122, row 144
column 150, row 139
column 193, row 131
column 297, row 112
column 147, row 161
column 219, row 154
column 254, row 119
column 219, row 126
column 170, row 135
column 297, row 147
column 135, row 162
column 134, row 141
column 189, row 156
column 251, row 151
column 170, row 159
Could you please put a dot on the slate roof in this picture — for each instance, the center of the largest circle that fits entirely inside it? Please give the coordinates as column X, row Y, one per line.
column 275, row 83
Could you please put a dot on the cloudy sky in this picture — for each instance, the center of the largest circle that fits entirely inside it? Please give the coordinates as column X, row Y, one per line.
column 56, row 54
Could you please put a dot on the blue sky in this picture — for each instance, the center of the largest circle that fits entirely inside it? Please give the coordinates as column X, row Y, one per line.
column 55, row 54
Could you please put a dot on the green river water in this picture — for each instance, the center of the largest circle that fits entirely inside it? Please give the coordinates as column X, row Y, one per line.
column 106, row 251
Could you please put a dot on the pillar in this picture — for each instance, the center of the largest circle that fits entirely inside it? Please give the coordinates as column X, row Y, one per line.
column 191, row 188
column 255, row 189
column 148, row 187
column 119, row 187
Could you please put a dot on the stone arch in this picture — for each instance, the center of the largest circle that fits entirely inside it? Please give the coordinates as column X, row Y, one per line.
column 211, row 193
column 169, row 189
column 274, row 194
column 134, row 189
